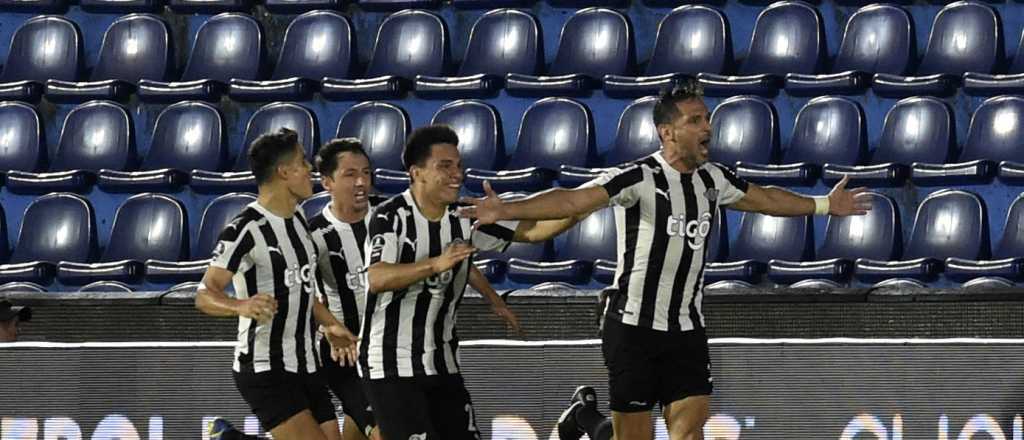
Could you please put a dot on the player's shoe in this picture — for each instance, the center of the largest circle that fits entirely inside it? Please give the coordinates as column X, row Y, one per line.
column 568, row 429
column 585, row 395
column 218, row 427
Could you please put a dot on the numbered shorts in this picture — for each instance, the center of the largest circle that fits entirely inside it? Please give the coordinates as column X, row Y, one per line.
column 422, row 408
column 348, row 388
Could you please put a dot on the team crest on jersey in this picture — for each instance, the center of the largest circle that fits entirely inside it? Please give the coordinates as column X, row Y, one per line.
column 711, row 194
column 219, row 249
column 376, row 247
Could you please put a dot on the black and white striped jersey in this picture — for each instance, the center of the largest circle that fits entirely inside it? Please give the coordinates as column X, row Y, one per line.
column 663, row 218
column 274, row 255
column 411, row 332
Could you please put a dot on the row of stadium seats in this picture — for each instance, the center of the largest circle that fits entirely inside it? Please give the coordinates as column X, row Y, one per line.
column 282, row 6
column 949, row 240
column 505, row 51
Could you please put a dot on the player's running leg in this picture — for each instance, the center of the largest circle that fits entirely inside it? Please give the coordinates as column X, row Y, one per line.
column 685, row 418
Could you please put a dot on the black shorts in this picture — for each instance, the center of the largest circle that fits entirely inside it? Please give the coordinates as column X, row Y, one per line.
column 276, row 396
column 346, row 385
column 426, row 407
column 647, row 366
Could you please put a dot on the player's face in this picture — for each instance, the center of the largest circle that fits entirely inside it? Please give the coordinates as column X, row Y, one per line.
column 443, row 172
column 9, row 330
column 298, row 174
column 350, row 184
column 690, row 133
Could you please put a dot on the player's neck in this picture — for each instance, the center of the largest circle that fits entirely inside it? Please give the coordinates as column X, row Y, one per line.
column 278, row 200
column 431, row 208
column 348, row 213
column 676, row 161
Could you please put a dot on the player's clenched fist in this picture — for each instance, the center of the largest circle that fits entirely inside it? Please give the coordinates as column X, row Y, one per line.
column 260, row 307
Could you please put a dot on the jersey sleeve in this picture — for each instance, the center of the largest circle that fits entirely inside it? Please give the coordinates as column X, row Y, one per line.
column 234, row 248
column 732, row 188
column 622, row 185
column 383, row 245
column 495, row 237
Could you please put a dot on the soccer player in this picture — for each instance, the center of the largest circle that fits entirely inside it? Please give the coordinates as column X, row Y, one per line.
column 653, row 339
column 269, row 254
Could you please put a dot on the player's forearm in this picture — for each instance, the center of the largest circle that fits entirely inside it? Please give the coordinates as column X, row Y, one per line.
column 785, row 203
column 479, row 282
column 554, row 204
column 386, row 277
column 216, row 303
column 543, row 230
column 323, row 315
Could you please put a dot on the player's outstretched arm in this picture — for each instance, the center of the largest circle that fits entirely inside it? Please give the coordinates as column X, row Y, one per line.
column 212, row 300
column 386, row 277
column 479, row 282
column 784, row 203
column 553, row 204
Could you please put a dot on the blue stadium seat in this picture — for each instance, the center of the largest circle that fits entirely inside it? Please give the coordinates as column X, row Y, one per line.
column 106, row 287
column 635, row 137
column 590, row 240
column 187, row 136
column 916, row 130
column 146, row 226
column 502, row 41
column 208, row 6
column 1008, row 259
column 481, row 143
column 1009, row 83
column 396, row 5
column 965, row 37
column 228, row 45
column 554, row 132
column 491, row 4
column 594, row 42
column 949, row 223
column 217, row 215
column 301, row 6
column 691, row 39
column 382, row 128
column 992, row 147
column 267, row 119
column 744, row 128
column 121, row 6
column 34, row 6
column 135, row 47
column 45, row 47
column 409, row 43
column 763, row 238
column 56, row 227
column 876, row 235
column 788, row 38
column 316, row 45
column 313, row 205
column 987, row 283
column 828, row 130
column 21, row 146
column 97, row 135
column 878, row 39
column 21, row 287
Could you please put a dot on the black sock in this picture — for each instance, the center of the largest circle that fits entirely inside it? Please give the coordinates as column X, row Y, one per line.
column 597, row 426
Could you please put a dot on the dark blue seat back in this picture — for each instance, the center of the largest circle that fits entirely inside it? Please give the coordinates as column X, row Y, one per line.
column 1012, row 242
column 503, row 41
column 636, row 135
column 592, row 239
column 876, row 235
column 97, row 135
column 917, row 129
column 950, row 223
column 317, row 44
column 1017, row 65
column 554, row 132
column 148, row 226
column 313, row 205
column 410, row 43
column 481, row 143
column 744, row 128
column 218, row 214
column 595, row 42
column 763, row 237
column 45, row 47
column 828, row 129
column 57, row 227
column 691, row 39
column 228, row 45
column 878, row 39
column 187, row 136
column 788, row 38
column 996, row 130
column 382, row 127
column 274, row 116
column 965, row 37
column 135, row 47
column 717, row 240
column 21, row 146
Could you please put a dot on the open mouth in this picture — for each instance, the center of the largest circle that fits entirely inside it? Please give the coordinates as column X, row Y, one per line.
column 360, row 196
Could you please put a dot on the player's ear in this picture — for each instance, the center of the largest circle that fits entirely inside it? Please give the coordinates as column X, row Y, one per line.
column 665, row 132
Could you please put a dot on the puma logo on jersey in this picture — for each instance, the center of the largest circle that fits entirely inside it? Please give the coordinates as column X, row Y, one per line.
column 422, row 436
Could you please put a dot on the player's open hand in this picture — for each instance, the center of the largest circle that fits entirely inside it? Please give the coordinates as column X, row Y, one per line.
column 842, row 201
column 343, row 344
column 260, row 307
column 509, row 317
column 486, row 210
column 452, row 255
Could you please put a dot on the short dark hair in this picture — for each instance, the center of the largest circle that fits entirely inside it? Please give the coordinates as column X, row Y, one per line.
column 267, row 151
column 417, row 147
column 327, row 157
column 665, row 110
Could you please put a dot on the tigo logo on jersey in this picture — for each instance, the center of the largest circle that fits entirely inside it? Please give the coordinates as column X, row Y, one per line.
column 355, row 280
column 295, row 275
column 695, row 231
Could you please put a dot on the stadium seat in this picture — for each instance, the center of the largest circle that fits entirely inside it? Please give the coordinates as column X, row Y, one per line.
column 763, row 238
column 396, row 5
column 491, row 4
column 409, row 43
column 382, row 128
column 1008, row 259
column 878, row 39
column 590, row 240
column 828, row 130
column 267, row 119
column 121, row 6
column 744, row 128
column 187, row 136
column 691, row 39
column 146, row 226
column 45, row 47
column 105, row 287
column 992, row 147
column 21, row 147
column 97, row 135
column 208, row 6
column 635, row 137
column 21, row 287
column 227, row 46
column 34, row 6
column 56, row 227
column 949, row 223
column 554, row 132
column 594, row 42
column 876, row 235
column 1009, row 83
column 502, row 41
column 965, row 37
column 316, row 45
column 788, row 38
column 987, row 283
column 135, row 47
column 313, row 205
column 217, row 215
column 916, row 130
column 301, row 6
column 710, row 288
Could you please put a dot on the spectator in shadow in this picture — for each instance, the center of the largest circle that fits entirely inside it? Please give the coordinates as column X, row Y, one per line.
column 10, row 318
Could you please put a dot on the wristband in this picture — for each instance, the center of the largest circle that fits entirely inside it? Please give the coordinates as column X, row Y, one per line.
column 821, row 205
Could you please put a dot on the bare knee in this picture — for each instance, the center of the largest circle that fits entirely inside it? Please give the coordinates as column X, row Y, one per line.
column 685, row 418
column 300, row 426
column 632, row 426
